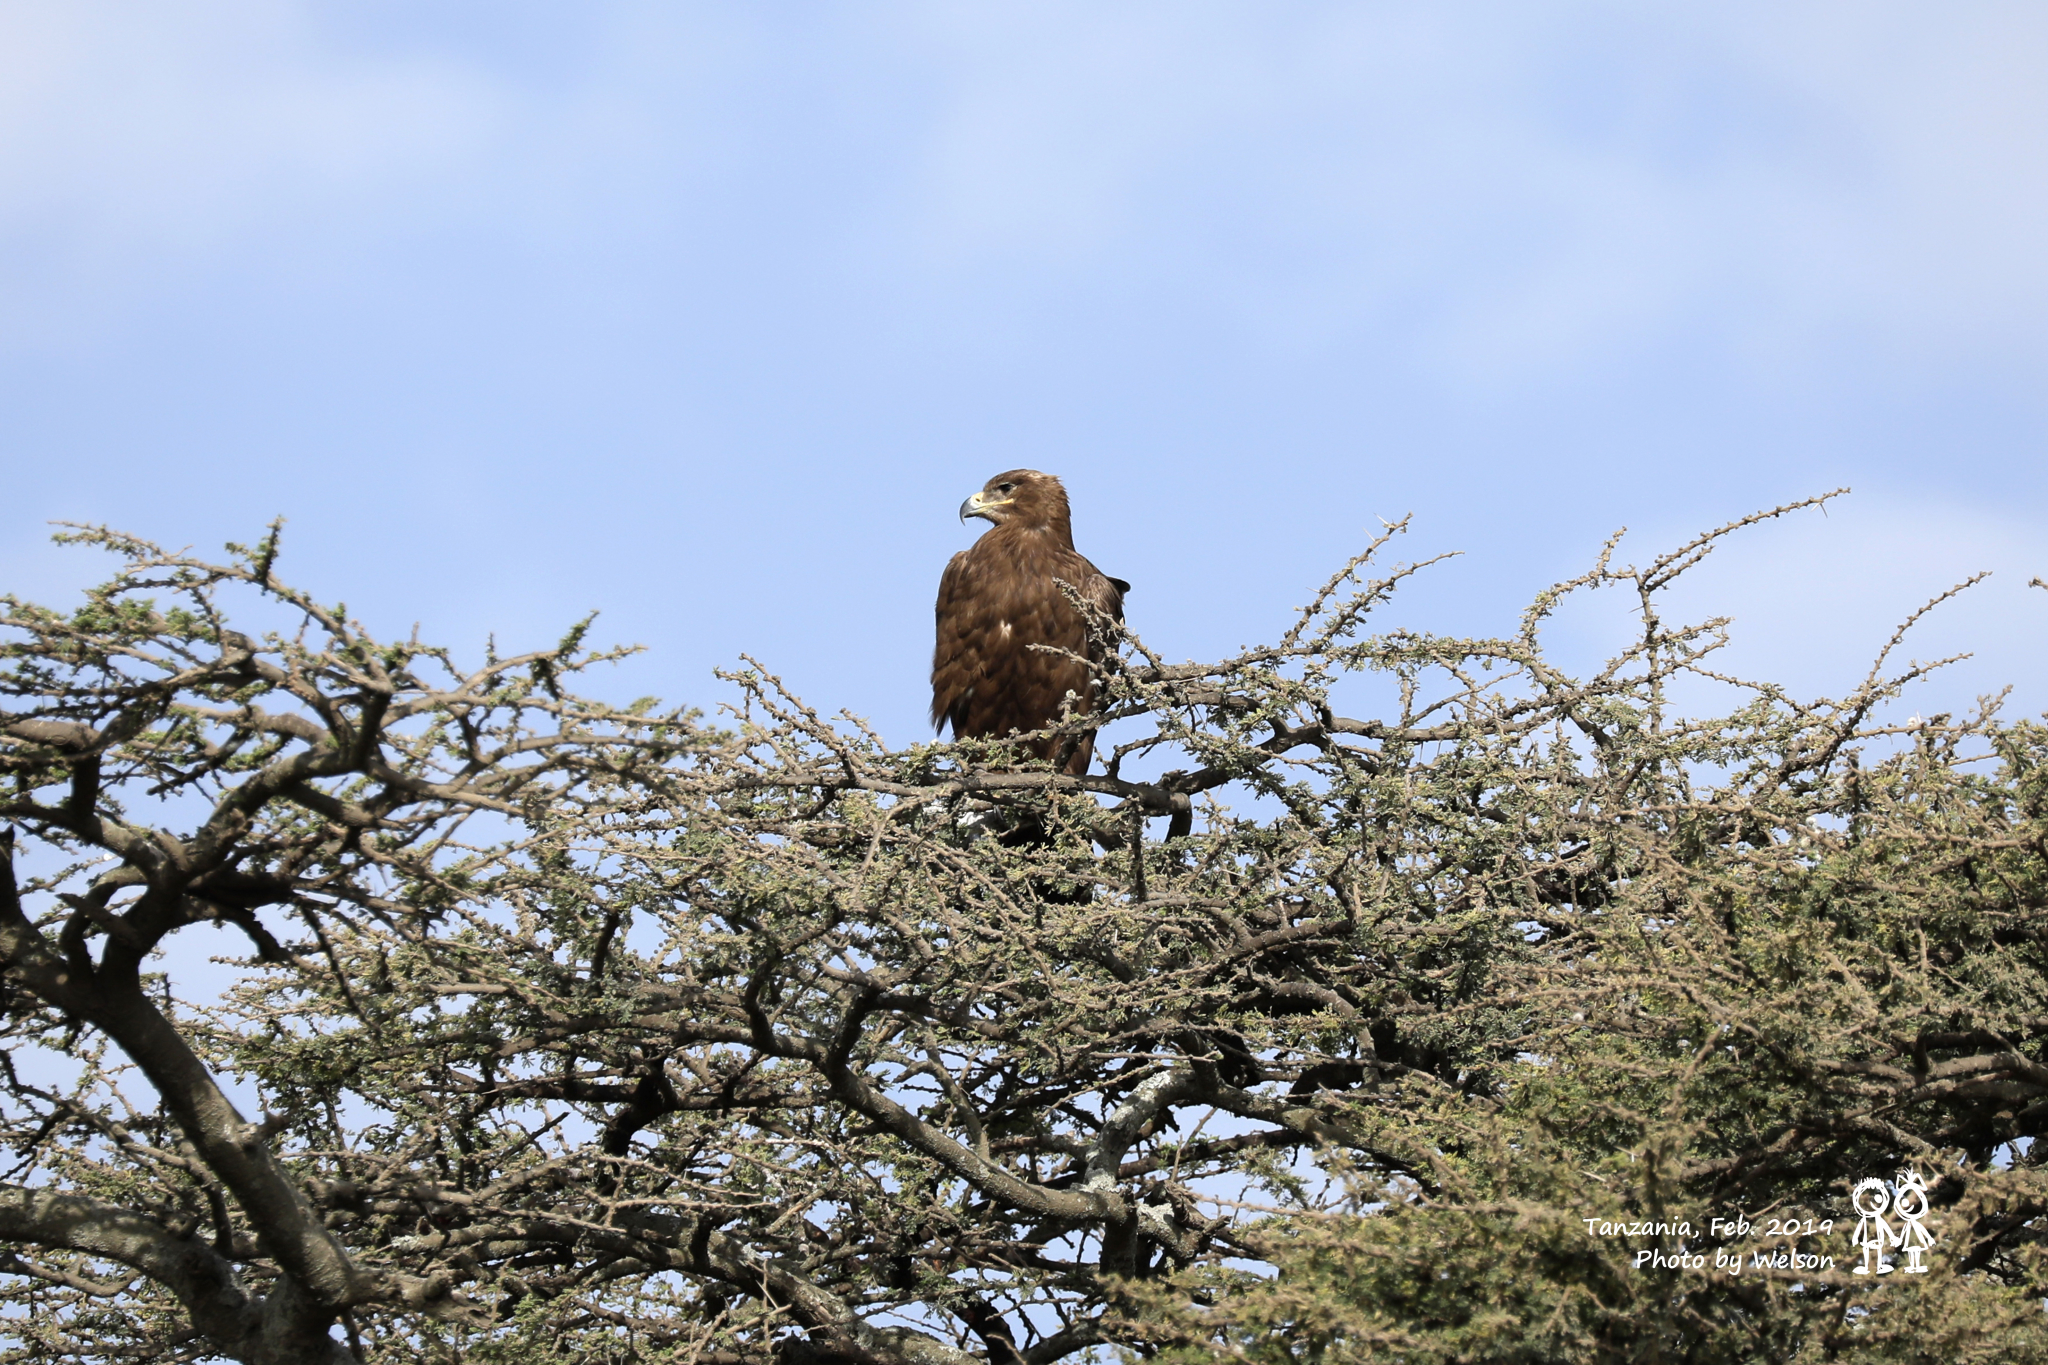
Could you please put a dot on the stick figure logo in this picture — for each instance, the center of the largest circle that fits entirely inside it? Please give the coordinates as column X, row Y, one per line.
column 1909, row 1202
column 1870, row 1199
column 1905, row 1199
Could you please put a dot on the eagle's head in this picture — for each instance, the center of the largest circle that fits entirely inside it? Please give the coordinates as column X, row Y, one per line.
column 1020, row 497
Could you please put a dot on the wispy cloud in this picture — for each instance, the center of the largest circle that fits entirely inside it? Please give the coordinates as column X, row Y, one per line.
column 1500, row 192
column 137, row 141
column 1514, row 188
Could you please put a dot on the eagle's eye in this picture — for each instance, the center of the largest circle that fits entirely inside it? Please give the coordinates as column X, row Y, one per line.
column 1006, row 488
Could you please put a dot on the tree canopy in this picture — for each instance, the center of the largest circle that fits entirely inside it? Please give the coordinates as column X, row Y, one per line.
column 572, row 1031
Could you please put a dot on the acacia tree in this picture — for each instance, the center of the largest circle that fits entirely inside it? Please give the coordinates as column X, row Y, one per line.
column 570, row 1031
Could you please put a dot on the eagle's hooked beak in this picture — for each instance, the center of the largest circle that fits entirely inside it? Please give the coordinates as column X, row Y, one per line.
column 977, row 506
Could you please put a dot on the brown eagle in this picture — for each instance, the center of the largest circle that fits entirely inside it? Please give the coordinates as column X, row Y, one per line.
column 1002, row 596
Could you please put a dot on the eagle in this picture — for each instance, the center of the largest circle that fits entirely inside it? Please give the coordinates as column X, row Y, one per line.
column 1000, row 597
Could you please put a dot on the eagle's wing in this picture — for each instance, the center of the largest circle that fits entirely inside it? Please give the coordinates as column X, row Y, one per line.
column 1106, row 595
column 1007, row 637
column 957, row 662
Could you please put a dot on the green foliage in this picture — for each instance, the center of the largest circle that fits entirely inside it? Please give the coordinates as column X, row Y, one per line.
column 587, row 1033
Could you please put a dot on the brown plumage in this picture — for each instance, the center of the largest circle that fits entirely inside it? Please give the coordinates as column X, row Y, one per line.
column 1000, row 597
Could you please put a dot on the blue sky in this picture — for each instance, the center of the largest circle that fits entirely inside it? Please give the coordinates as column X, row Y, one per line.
column 708, row 316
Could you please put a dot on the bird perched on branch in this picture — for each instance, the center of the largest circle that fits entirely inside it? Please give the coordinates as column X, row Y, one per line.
column 1002, row 596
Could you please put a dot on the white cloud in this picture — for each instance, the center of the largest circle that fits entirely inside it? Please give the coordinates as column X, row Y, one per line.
column 136, row 139
column 1503, row 192
column 1515, row 187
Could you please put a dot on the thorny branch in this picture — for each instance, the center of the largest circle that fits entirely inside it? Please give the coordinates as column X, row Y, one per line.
column 608, row 1030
